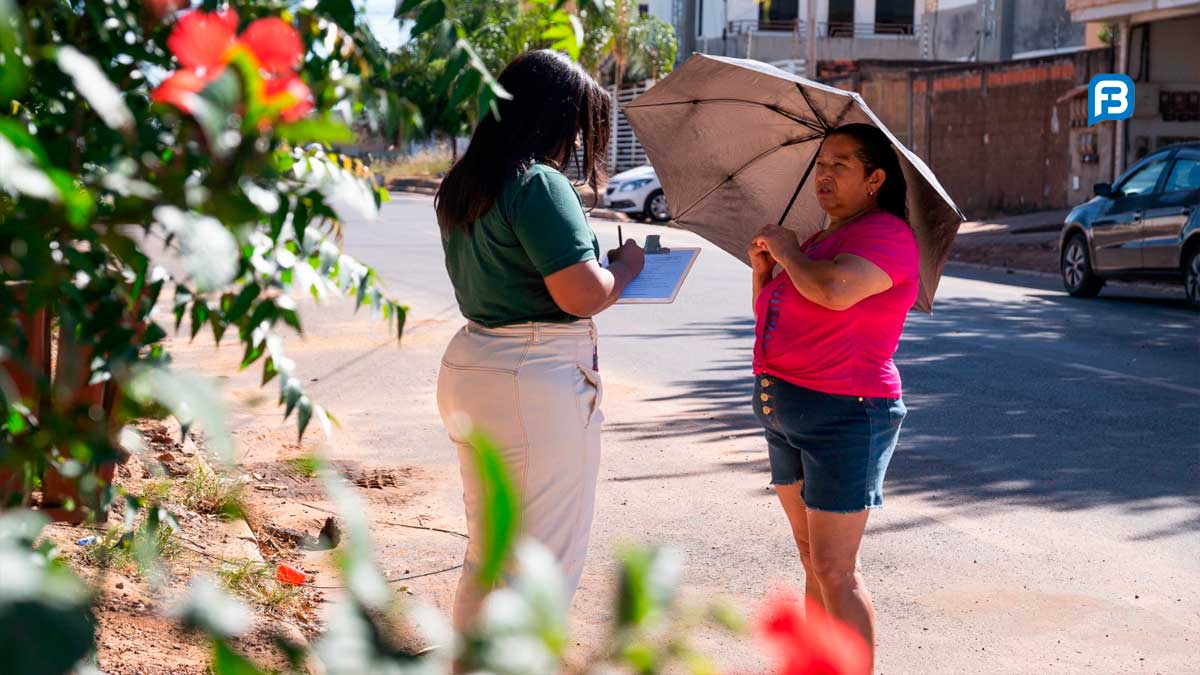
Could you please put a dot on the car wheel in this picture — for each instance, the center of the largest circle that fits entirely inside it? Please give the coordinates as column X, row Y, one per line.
column 1191, row 277
column 1076, row 265
column 656, row 207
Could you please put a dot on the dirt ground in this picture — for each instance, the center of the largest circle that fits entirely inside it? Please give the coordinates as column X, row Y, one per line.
column 135, row 635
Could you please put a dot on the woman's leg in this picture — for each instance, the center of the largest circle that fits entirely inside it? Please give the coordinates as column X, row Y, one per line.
column 834, row 540
column 797, row 514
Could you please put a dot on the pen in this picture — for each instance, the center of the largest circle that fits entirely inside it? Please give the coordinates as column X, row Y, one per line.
column 620, row 237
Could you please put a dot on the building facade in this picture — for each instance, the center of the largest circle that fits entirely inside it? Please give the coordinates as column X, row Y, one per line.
column 1158, row 46
column 902, row 30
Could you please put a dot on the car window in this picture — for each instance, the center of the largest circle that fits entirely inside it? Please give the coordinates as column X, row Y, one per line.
column 1144, row 180
column 1185, row 175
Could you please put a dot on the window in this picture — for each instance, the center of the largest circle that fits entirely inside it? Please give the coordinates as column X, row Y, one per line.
column 1144, row 180
column 841, row 18
column 894, row 17
column 1185, row 175
column 779, row 14
column 643, row 10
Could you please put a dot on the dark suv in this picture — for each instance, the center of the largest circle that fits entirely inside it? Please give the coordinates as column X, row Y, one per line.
column 1146, row 226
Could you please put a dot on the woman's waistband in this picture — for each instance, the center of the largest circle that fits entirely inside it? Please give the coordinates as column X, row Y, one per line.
column 537, row 330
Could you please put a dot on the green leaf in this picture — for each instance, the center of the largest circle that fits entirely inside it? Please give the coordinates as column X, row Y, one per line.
column 242, row 303
column 91, row 83
column 401, row 318
column 291, row 394
column 649, row 578
column 218, row 327
column 153, row 333
column 252, row 354
column 341, row 11
column 214, row 107
column 565, row 33
column 326, row 131
column 13, row 73
column 182, row 297
column 269, row 371
column 19, row 136
column 212, row 610
column 431, row 15
column 199, row 316
column 454, row 66
column 228, row 662
column 325, row 420
column 304, row 413
column 264, row 311
column 466, row 87
column 501, row 507
column 189, row 398
column 478, row 64
column 22, row 177
column 405, row 6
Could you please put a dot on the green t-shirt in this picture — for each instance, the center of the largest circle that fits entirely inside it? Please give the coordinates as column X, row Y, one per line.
column 536, row 228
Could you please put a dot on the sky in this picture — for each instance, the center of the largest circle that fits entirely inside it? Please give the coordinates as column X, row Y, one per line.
column 386, row 28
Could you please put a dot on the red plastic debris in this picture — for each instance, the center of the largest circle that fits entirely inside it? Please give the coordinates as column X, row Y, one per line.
column 286, row 574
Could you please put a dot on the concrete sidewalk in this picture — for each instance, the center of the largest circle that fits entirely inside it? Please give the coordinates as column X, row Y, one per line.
column 1024, row 242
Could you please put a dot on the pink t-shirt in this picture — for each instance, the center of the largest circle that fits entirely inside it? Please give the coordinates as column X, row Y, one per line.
column 847, row 352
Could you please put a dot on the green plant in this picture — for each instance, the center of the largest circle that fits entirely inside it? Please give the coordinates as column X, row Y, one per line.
column 305, row 465
column 255, row 582
column 156, row 490
column 204, row 491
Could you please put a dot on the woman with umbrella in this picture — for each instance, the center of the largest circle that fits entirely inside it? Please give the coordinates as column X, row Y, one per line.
column 737, row 143
column 827, row 392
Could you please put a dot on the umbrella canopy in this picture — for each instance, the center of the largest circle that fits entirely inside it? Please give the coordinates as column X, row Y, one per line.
column 734, row 142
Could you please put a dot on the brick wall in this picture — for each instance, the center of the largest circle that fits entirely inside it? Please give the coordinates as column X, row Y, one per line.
column 994, row 133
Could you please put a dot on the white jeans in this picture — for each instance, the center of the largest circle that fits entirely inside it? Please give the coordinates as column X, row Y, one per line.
column 533, row 390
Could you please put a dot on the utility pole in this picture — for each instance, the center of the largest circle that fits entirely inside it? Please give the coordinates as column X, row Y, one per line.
column 810, row 64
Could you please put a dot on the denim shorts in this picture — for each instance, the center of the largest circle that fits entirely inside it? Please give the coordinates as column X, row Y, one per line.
column 839, row 446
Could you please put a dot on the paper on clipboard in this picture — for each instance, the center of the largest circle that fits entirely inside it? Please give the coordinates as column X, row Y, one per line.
column 661, row 278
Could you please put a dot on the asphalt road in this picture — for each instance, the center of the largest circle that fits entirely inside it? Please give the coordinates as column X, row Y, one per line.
column 1042, row 512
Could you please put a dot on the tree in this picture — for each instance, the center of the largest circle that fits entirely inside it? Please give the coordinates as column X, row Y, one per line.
column 446, row 65
column 624, row 46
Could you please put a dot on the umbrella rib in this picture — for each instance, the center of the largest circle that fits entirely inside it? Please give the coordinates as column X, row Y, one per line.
column 800, row 186
column 842, row 115
column 735, row 174
column 813, row 108
column 795, row 118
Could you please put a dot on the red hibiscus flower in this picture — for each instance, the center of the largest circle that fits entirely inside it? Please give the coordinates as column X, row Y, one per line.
column 810, row 642
column 205, row 42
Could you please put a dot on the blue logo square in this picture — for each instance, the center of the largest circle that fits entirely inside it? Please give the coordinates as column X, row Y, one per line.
column 1110, row 97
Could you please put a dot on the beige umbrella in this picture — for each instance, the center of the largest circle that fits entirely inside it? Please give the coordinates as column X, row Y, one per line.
column 734, row 141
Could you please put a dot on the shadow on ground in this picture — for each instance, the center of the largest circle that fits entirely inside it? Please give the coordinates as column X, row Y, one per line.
column 1005, row 406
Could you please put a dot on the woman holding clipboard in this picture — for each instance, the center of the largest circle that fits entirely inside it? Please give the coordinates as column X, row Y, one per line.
column 524, row 265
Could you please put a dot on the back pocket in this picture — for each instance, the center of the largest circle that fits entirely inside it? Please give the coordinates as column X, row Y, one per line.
column 480, row 399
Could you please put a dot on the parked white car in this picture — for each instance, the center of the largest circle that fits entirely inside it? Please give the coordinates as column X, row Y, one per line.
column 638, row 193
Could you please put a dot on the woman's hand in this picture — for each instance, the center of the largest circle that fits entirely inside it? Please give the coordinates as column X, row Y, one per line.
column 780, row 243
column 632, row 256
column 761, row 261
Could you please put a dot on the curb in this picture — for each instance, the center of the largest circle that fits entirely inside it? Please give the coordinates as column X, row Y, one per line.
column 1159, row 288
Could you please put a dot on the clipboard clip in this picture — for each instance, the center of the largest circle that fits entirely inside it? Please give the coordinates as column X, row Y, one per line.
column 654, row 245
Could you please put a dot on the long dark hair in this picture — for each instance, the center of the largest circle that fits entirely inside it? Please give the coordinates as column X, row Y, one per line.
column 875, row 152
column 554, row 102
